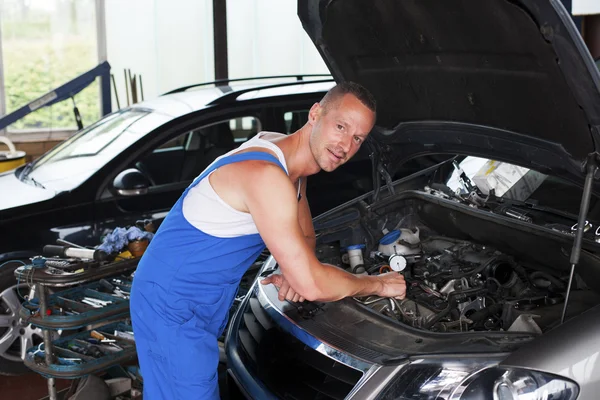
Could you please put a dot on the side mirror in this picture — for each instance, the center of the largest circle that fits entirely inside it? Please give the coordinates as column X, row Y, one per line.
column 131, row 182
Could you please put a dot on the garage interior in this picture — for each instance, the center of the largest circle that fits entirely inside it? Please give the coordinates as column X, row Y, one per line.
column 65, row 65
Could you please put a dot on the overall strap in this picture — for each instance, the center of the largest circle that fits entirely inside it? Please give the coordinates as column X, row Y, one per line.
column 251, row 155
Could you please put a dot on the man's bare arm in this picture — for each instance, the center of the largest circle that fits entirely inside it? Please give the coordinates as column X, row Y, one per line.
column 305, row 217
column 271, row 199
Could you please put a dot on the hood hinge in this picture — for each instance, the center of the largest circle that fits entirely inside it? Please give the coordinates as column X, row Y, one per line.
column 591, row 168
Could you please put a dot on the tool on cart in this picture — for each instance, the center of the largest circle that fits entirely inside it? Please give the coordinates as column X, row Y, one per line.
column 96, row 303
column 97, row 335
column 86, row 349
column 75, row 252
column 124, row 335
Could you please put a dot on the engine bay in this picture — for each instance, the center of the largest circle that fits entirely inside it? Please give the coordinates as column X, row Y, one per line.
column 454, row 284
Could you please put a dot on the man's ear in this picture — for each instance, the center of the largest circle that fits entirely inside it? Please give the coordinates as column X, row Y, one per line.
column 314, row 113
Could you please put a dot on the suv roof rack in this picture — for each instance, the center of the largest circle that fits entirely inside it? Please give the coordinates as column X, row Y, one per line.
column 231, row 96
column 225, row 82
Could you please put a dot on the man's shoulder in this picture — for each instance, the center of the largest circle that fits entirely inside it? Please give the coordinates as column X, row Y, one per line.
column 270, row 136
column 250, row 167
column 261, row 176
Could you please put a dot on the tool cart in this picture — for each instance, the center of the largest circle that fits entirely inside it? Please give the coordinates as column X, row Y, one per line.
column 85, row 298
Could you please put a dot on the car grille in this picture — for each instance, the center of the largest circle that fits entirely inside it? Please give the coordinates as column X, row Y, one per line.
column 290, row 369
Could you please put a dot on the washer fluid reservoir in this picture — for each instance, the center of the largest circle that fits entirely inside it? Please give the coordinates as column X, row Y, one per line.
column 401, row 241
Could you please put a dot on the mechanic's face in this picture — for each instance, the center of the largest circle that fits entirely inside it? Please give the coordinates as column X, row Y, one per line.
column 339, row 131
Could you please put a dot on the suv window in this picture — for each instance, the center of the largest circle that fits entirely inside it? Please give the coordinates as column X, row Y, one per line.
column 179, row 141
column 184, row 157
column 244, row 128
column 294, row 120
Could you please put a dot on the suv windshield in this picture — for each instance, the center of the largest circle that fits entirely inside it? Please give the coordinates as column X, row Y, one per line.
column 75, row 160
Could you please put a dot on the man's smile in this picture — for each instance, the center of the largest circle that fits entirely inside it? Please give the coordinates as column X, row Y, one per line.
column 336, row 156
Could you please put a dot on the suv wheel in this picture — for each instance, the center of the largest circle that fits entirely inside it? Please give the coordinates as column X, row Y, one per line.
column 16, row 336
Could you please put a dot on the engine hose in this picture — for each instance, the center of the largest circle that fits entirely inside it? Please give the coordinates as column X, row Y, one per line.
column 384, row 269
column 375, row 268
column 438, row 316
column 523, row 274
column 451, row 300
column 498, row 284
column 356, row 269
column 540, row 274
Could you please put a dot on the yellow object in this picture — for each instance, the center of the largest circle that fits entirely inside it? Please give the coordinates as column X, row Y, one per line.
column 12, row 158
column 125, row 255
column 97, row 335
column 8, row 164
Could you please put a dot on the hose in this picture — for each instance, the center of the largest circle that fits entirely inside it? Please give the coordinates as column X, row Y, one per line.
column 375, row 267
column 555, row 281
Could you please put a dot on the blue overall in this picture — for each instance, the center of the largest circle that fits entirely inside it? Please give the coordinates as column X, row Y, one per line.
column 184, row 285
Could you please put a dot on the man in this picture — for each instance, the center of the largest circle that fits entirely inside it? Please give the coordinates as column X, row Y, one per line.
column 255, row 195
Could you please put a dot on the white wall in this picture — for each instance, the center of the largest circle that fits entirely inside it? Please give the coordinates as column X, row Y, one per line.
column 265, row 37
column 586, row 7
column 168, row 42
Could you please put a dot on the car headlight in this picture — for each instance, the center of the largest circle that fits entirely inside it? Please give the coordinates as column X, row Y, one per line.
column 473, row 381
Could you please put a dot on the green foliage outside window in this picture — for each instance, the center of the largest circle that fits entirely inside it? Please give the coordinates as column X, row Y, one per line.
column 41, row 55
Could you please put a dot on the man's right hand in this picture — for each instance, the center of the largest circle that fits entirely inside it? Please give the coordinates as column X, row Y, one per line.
column 285, row 290
column 393, row 285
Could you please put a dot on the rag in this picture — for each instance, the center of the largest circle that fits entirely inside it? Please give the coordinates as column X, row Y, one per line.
column 119, row 238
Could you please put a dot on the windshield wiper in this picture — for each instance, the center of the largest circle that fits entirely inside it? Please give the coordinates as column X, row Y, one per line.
column 25, row 175
column 36, row 183
column 26, row 171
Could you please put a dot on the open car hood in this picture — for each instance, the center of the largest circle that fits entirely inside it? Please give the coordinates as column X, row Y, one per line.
column 509, row 80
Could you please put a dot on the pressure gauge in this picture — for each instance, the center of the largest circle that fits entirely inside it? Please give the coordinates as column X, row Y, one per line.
column 397, row 262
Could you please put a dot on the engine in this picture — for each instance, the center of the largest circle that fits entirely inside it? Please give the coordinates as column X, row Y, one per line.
column 460, row 286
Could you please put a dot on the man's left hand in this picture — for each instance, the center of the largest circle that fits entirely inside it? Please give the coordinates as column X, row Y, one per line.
column 285, row 290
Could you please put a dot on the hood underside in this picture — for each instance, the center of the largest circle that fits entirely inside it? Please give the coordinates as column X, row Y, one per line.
column 516, row 67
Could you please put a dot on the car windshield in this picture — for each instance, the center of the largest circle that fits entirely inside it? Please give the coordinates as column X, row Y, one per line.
column 75, row 160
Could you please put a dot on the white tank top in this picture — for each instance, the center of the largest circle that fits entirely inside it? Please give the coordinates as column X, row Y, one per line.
column 206, row 211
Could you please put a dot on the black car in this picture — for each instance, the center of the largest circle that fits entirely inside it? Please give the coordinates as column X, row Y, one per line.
column 134, row 164
column 503, row 285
